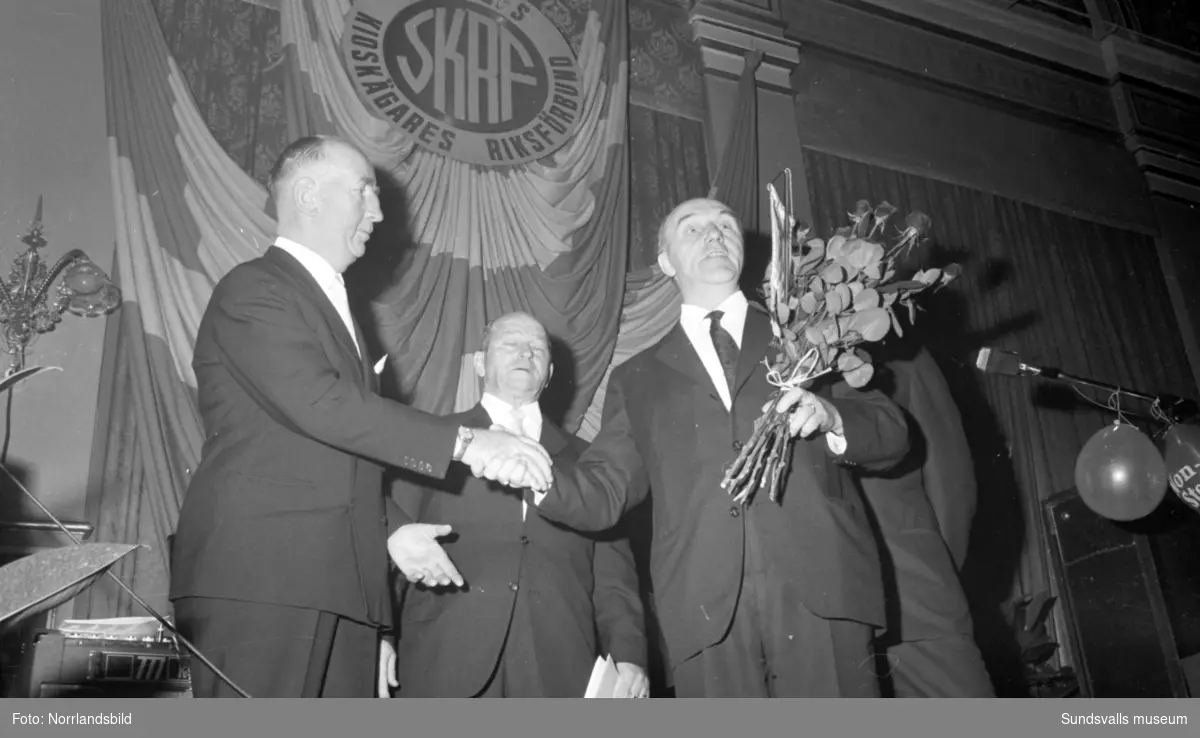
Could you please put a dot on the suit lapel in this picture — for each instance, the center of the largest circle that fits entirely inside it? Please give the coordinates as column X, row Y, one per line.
column 756, row 339
column 678, row 353
column 308, row 285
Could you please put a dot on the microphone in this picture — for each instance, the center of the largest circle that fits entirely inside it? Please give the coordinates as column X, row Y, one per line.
column 997, row 361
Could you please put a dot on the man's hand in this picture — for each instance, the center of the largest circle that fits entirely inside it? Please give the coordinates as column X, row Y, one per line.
column 512, row 460
column 811, row 414
column 418, row 555
column 387, row 669
column 631, row 681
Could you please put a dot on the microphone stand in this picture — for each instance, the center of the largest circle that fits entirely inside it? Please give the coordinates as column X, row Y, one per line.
column 1176, row 409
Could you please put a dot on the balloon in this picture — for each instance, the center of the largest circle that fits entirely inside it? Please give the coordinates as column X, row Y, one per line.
column 1183, row 463
column 1120, row 474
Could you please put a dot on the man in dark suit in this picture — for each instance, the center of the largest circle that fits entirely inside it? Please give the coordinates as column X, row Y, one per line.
column 540, row 601
column 929, row 644
column 279, row 571
column 768, row 599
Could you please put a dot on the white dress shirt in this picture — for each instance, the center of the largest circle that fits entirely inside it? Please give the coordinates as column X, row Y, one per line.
column 523, row 421
column 330, row 281
column 695, row 323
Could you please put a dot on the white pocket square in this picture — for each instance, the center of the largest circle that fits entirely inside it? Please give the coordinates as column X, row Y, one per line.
column 380, row 364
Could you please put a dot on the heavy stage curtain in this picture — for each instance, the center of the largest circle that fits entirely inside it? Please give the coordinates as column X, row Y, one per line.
column 1059, row 290
column 548, row 237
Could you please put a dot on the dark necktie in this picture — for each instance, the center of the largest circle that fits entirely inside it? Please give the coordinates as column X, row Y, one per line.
column 727, row 348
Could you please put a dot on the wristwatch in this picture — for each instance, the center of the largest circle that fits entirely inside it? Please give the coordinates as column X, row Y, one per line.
column 465, row 436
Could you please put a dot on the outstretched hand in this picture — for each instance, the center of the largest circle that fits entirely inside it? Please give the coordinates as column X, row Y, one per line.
column 415, row 551
column 511, row 460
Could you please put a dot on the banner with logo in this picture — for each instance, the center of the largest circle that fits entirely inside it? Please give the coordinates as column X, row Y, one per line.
column 503, row 122
column 487, row 82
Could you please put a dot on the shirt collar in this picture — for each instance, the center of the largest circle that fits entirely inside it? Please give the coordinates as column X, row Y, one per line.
column 693, row 318
column 498, row 409
column 313, row 262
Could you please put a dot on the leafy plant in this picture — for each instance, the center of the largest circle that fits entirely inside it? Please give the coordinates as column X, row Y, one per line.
column 825, row 299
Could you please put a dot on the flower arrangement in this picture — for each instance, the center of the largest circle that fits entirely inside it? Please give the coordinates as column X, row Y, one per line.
column 825, row 299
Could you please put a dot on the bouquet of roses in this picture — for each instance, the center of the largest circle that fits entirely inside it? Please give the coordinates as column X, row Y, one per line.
column 826, row 299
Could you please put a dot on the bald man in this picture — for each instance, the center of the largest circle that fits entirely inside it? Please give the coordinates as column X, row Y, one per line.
column 280, row 560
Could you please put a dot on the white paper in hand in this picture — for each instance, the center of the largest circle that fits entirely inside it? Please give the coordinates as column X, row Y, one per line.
column 604, row 679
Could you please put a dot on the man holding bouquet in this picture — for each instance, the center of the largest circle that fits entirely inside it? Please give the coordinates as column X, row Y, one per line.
column 759, row 600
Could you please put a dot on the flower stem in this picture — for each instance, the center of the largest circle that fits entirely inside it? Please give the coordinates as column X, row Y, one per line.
column 762, row 461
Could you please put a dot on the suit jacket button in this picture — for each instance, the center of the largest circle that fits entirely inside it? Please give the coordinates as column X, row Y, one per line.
column 737, row 445
column 512, row 586
column 525, row 539
column 735, row 511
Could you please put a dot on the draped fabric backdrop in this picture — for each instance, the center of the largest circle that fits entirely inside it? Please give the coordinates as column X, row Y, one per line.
column 1062, row 292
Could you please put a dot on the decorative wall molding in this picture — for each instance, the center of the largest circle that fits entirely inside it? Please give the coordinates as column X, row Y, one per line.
column 934, row 54
column 994, row 24
column 727, row 29
column 1124, row 58
column 999, row 27
column 764, row 17
column 1156, row 120
column 1157, row 102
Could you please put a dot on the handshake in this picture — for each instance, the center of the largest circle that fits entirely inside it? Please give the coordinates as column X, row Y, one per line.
column 512, row 460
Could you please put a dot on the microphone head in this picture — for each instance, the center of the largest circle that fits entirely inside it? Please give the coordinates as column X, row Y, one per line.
column 995, row 361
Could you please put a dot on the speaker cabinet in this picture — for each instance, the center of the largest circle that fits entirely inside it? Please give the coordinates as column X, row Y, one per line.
column 1119, row 627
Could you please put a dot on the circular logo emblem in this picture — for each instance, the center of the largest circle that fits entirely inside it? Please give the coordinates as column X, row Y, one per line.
column 489, row 82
